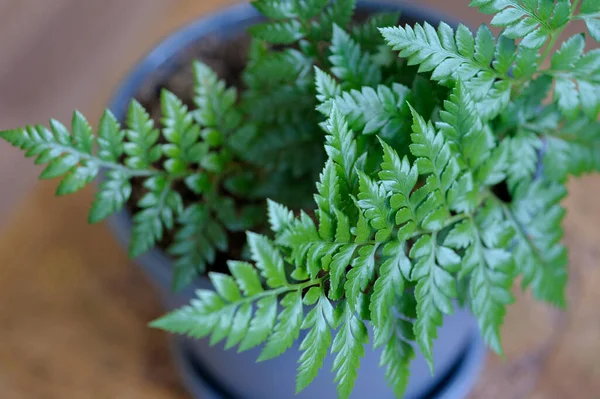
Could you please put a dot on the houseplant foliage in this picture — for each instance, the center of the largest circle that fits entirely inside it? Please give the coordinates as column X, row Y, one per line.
column 445, row 154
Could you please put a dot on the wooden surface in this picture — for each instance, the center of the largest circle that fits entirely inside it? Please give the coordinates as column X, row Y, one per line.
column 73, row 310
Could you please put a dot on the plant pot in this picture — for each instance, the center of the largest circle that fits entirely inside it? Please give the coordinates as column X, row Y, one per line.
column 212, row 372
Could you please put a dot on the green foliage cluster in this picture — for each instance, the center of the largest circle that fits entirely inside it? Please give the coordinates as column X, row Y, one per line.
column 446, row 155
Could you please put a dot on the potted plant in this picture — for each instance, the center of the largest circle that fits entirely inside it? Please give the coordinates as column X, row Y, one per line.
column 439, row 166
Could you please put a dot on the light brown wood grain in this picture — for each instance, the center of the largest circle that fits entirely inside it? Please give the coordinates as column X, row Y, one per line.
column 73, row 308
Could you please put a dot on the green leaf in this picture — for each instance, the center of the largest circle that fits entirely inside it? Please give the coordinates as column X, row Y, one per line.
column 381, row 110
column 590, row 7
column 268, row 260
column 350, row 64
column 327, row 87
column 239, row 325
column 341, row 146
column 262, row 324
column 142, row 138
column 181, row 133
column 532, row 20
column 159, row 207
column 373, row 201
column 462, row 125
column 66, row 155
column 214, row 100
column 569, row 53
column 339, row 13
column 505, row 55
column 361, row 274
column 397, row 356
column 327, row 199
column 316, row 344
column 113, row 194
column 77, row 178
column 275, row 9
column 536, row 216
column 246, row 277
column 436, row 159
column 287, row 328
column 83, row 138
column 566, row 95
column 577, row 78
column 348, row 346
column 367, row 34
column 280, row 217
column 523, row 156
column 399, row 180
column 436, row 287
column 225, row 286
column 340, row 262
column 110, row 138
column 593, row 25
column 443, row 52
column 196, row 241
column 572, row 150
column 308, row 9
column 490, row 267
column 280, row 32
column 388, row 287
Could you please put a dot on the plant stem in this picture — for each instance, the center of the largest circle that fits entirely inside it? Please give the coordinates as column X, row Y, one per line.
column 280, row 290
column 106, row 164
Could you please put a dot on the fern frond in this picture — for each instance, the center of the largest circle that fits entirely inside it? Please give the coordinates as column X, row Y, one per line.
column 160, row 208
column 533, row 21
column 399, row 180
column 316, row 344
column 348, row 346
column 373, row 202
column 367, row 34
column 280, row 217
column 182, row 135
column 456, row 55
column 242, row 312
column 462, row 125
column 433, row 265
column 572, row 150
column 577, row 77
column 389, row 286
column 275, row 9
column 381, row 110
column 278, row 32
column 361, row 275
column 523, row 151
column 536, row 216
column 446, row 53
column 142, row 149
column 197, row 239
column 397, row 356
column 490, row 266
column 341, row 146
column 350, row 64
column 590, row 13
column 214, row 100
column 287, row 329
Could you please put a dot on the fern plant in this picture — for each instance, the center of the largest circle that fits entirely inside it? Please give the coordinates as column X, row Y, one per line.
column 445, row 157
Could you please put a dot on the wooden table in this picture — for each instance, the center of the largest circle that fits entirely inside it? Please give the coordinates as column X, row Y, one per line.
column 73, row 310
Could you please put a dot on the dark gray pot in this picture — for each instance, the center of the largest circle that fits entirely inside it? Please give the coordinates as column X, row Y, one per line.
column 212, row 372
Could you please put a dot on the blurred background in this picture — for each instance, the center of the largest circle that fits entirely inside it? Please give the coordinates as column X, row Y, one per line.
column 73, row 310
